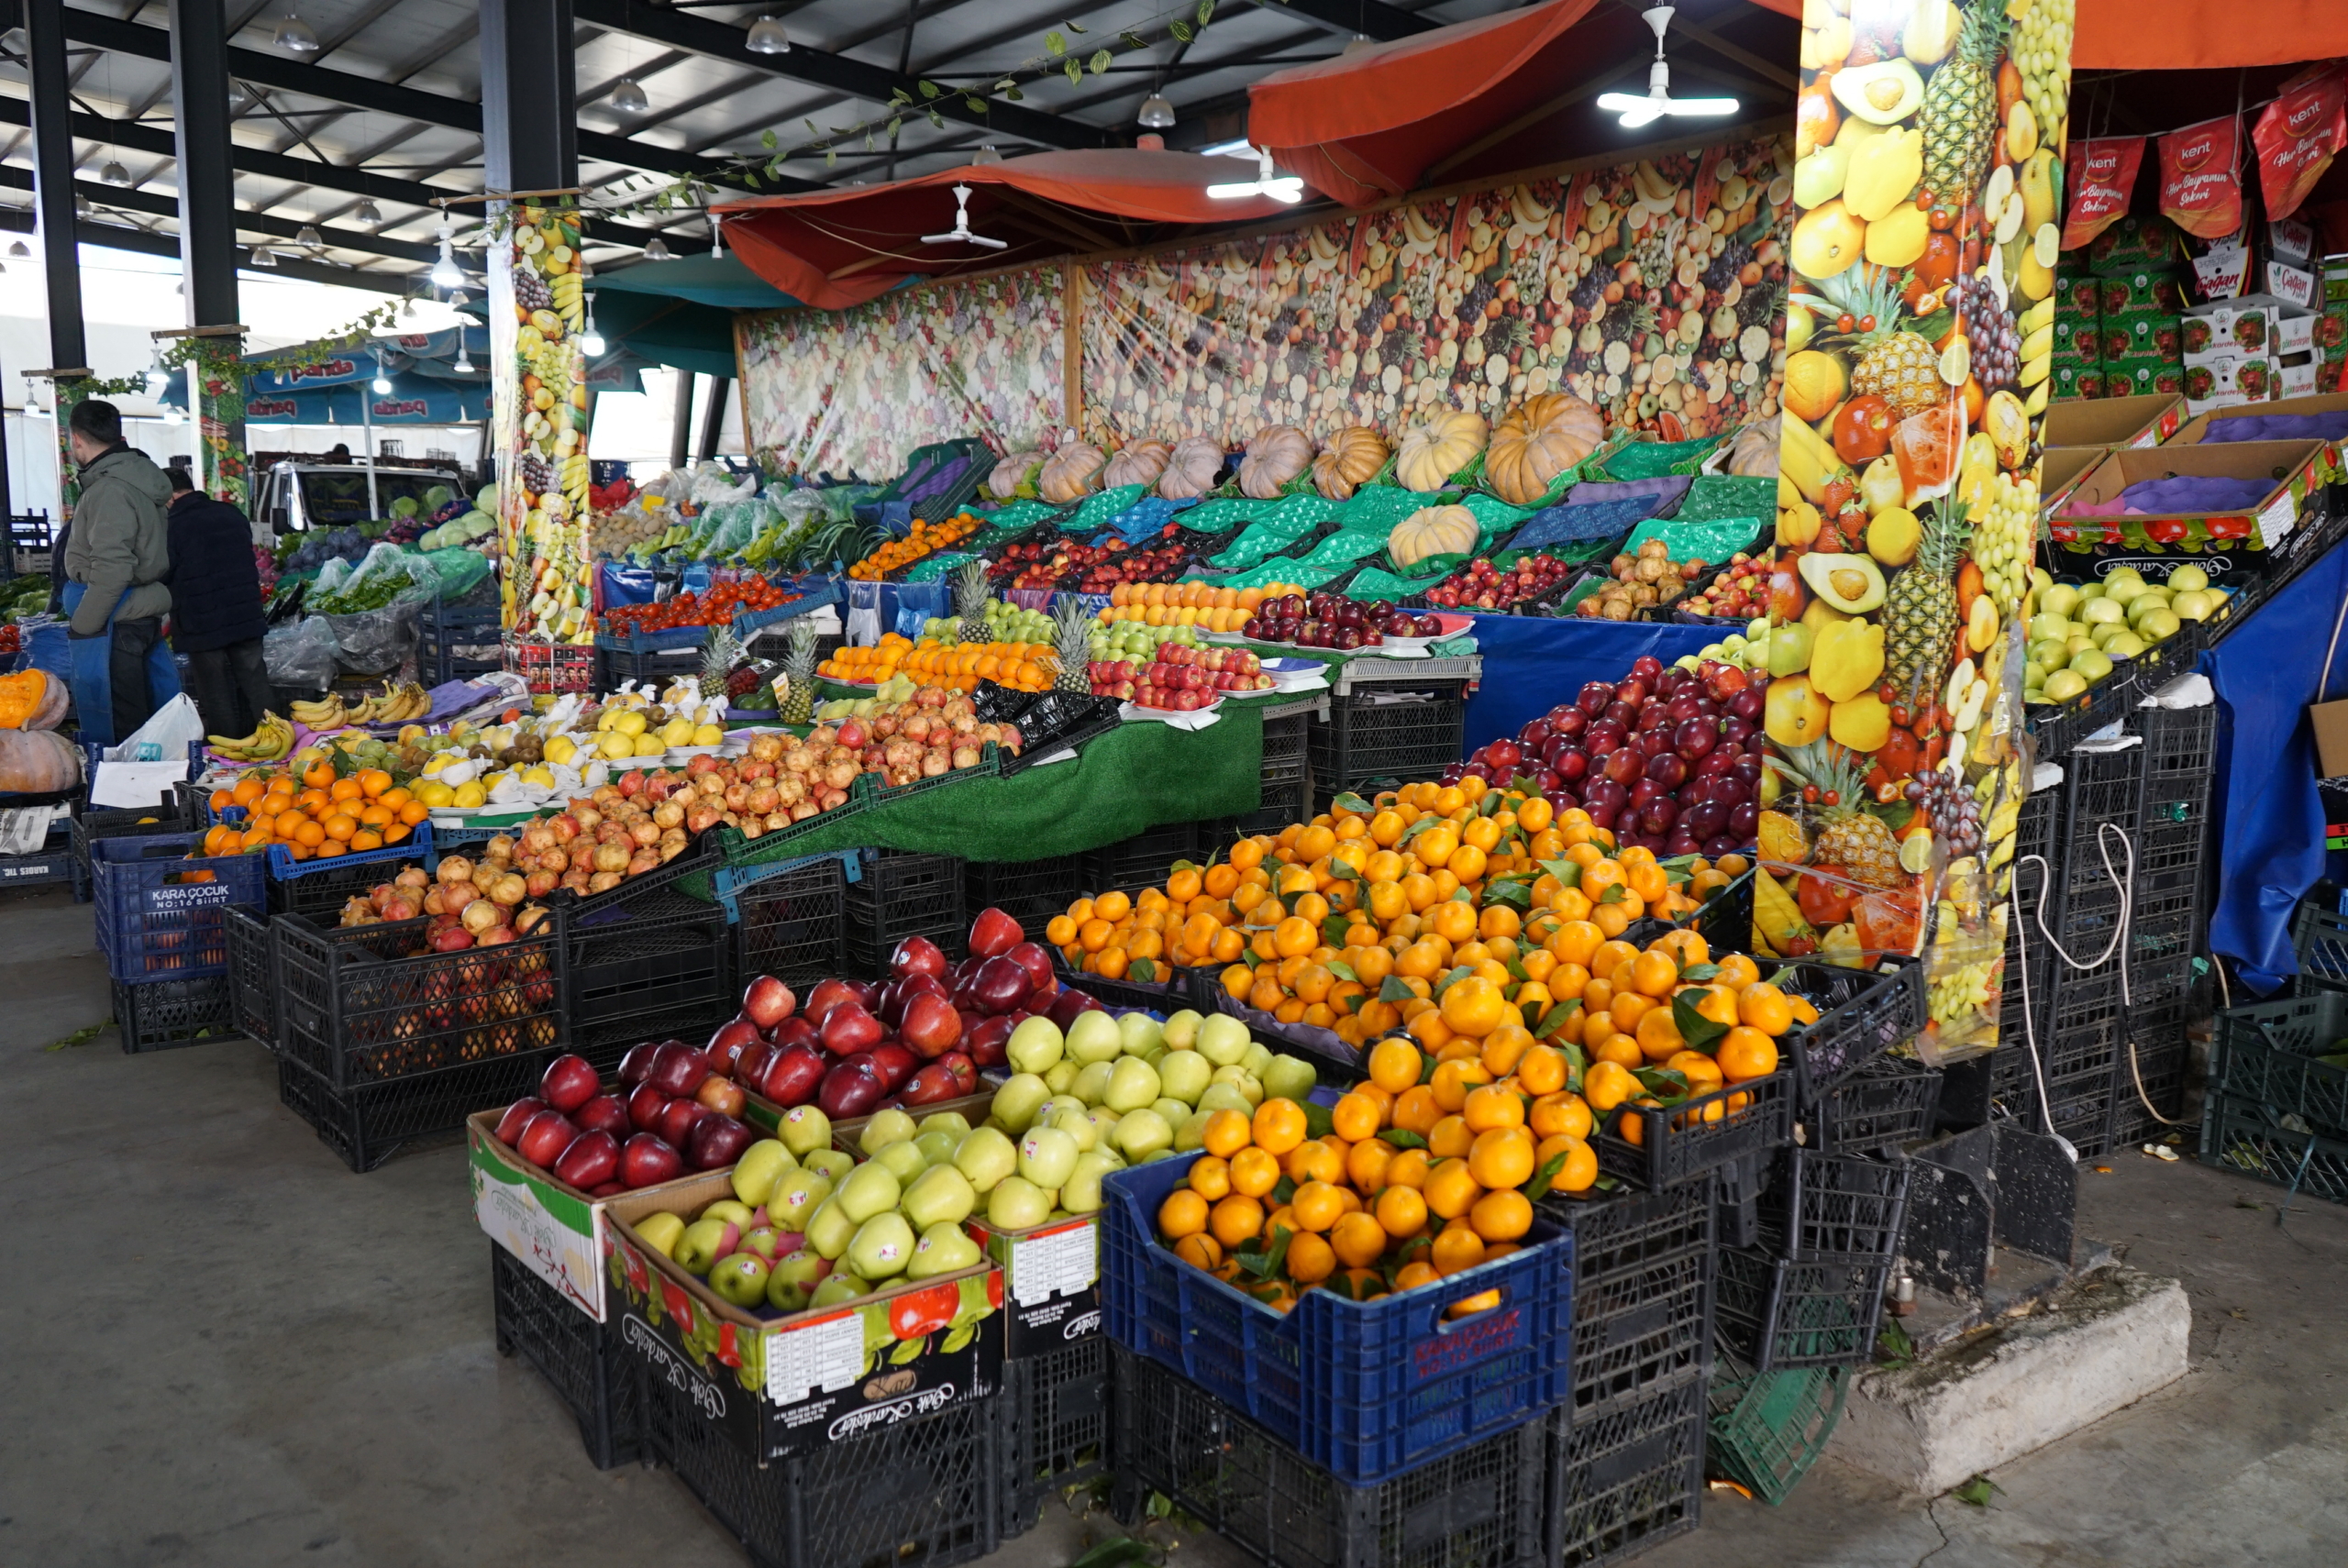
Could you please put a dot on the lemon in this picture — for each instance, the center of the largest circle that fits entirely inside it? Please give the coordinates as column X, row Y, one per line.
column 649, row 745
column 709, row 735
column 677, row 732
column 435, row 794
column 541, row 775
column 616, row 745
column 561, row 750
column 469, row 796
column 434, row 763
column 1916, row 853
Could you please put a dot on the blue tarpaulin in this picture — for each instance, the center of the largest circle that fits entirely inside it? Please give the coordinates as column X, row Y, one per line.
column 1531, row 664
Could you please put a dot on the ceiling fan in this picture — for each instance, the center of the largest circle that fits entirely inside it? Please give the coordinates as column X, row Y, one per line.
column 1658, row 102
column 960, row 233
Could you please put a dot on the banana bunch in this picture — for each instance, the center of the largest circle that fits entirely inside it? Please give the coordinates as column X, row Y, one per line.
column 323, row 716
column 1776, row 918
column 273, row 740
column 566, row 290
column 391, row 706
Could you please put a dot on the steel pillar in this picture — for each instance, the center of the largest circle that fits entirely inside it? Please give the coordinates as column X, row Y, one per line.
column 529, row 130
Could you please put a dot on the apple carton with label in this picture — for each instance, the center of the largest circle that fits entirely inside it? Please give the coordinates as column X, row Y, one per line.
column 2142, row 421
column 780, row 1384
column 1052, row 1292
column 2226, row 545
column 2196, row 430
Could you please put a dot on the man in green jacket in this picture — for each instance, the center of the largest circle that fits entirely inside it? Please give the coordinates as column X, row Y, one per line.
column 117, row 555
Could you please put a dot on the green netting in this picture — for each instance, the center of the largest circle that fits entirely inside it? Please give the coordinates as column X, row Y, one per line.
column 1375, row 582
column 1726, row 495
column 1343, row 549
column 1100, row 511
column 1494, row 516
column 1377, row 507
column 931, row 568
column 1653, row 459
column 1712, row 539
column 1261, row 538
column 1220, row 516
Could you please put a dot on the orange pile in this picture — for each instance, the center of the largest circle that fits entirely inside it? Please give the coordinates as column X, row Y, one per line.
column 1188, row 603
column 321, row 816
column 924, row 539
column 957, row 666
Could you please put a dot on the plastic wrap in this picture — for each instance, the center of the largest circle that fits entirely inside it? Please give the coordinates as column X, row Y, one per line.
column 374, row 642
column 301, row 657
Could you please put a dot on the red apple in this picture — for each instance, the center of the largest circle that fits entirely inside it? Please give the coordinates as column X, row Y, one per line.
column 994, row 933
column 678, row 1069
column 987, row 1043
column 517, row 1116
column 591, row 1161
column 1000, row 985
column 547, row 1135
column 850, row 1088
column 849, row 1029
column 766, row 1002
column 750, row 1068
column 931, row 1026
column 731, row 1040
column 917, row 955
column 646, row 1160
column 569, row 1083
column 636, row 1065
column 965, row 1071
column 894, row 1063
column 678, row 1119
column 607, row 1112
column 933, row 1082
column 1066, row 1005
column 1033, row 958
column 828, row 995
column 718, row 1142
column 796, row 1030
column 721, row 1095
column 791, row 1077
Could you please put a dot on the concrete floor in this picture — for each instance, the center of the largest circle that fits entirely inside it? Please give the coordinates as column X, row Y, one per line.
column 219, row 1347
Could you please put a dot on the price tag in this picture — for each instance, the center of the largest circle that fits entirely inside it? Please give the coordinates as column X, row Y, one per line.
column 782, row 685
column 826, row 1354
column 1056, row 1262
column 2277, row 520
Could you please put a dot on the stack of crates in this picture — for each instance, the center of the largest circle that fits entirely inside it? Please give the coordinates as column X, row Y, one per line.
column 2278, row 1107
column 162, row 912
column 648, row 961
column 2174, row 862
column 899, row 893
column 1407, row 720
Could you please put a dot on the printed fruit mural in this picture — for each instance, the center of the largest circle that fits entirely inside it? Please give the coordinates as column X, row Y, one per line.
column 1930, row 136
column 537, row 268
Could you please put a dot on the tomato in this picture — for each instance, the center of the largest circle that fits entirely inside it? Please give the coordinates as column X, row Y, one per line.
column 1863, row 430
column 1825, row 896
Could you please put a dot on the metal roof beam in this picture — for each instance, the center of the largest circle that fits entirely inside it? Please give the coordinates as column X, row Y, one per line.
column 148, row 242
column 1371, row 18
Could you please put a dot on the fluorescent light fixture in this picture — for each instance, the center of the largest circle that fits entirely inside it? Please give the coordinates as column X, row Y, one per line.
column 591, row 342
column 1242, row 148
column 1279, row 187
column 1657, row 102
column 628, row 97
column 767, row 36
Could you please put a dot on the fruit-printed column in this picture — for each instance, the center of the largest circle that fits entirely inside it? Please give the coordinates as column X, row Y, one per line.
column 535, row 279
column 218, row 366
column 1930, row 138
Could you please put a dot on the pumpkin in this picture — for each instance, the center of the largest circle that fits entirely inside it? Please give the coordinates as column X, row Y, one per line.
column 1433, row 531
column 1139, row 463
column 1755, row 453
column 1072, row 473
column 1348, row 460
column 37, row 762
column 1190, row 471
column 54, row 703
column 21, row 697
column 1439, row 448
column 1539, row 439
column 1276, row 455
column 1016, row 475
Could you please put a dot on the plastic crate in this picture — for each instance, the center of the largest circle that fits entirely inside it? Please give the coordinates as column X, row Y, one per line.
column 1643, row 1290
column 159, row 907
column 1366, row 1390
column 1070, row 723
column 2319, row 937
column 367, row 1126
column 923, row 1494
column 158, row 1016
column 323, row 886
column 1057, row 1426
column 1774, row 1314
column 1861, row 1015
column 653, row 667
column 1287, row 787
column 53, row 862
column 1699, row 1135
column 1142, row 860
column 2180, row 761
column 2269, row 1052
column 675, row 982
column 1768, row 1428
column 2250, row 1139
column 98, row 822
column 1890, row 1101
column 643, row 903
column 2059, row 727
column 899, row 894
column 1838, row 1208
column 1481, row 1507
column 1626, row 1479
column 1198, row 988
column 443, row 628
column 1030, row 892
column 2157, row 1067
column 790, row 925
column 1388, row 732
column 591, row 1371
column 252, row 976
column 360, row 1005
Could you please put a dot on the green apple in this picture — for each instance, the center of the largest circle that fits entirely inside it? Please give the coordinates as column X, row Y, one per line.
column 2096, row 610
column 1018, row 1204
column 732, row 1211
column 1184, row 1074
column 1081, row 1194
column 1053, row 1106
column 795, row 1198
column 2090, row 666
column 904, row 1159
column 765, row 1240
column 2194, row 603
column 2064, row 685
column 829, row 1230
column 952, row 1121
column 794, row 1279
column 869, row 1190
column 1289, row 1077
column 1093, row 1037
column 1142, row 1133
column 1059, row 1075
column 1093, row 1082
column 1104, row 1122
column 2052, row 654
column 1176, row 1111
column 1047, row 1154
column 2127, row 644
column 1223, row 1039
column 2122, row 591
column 2058, row 600
column 1133, row 1083
column 2188, row 580
column 1182, row 1030
column 660, row 1232
column 803, row 1130
column 884, row 1128
column 883, row 1245
column 937, row 1148
column 986, row 1157
column 939, row 1194
column 1225, row 1095
column 704, row 1243
column 1191, row 1132
column 1078, row 1125
column 942, row 1248
column 1035, row 1045
column 2048, row 626
column 762, row 1164
column 1141, row 1034
column 837, row 1288
column 1255, row 1058
column 740, row 1279
column 1248, row 1083
column 1018, row 1100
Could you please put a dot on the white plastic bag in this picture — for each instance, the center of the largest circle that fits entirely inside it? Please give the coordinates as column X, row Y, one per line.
column 171, row 728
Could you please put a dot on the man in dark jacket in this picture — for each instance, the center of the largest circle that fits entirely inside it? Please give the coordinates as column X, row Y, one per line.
column 116, row 556
column 216, row 615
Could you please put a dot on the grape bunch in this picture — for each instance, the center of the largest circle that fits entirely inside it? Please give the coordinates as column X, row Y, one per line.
column 1950, row 808
column 2005, row 538
column 537, row 475
column 530, row 291
column 2040, row 49
column 1955, row 993
column 1988, row 332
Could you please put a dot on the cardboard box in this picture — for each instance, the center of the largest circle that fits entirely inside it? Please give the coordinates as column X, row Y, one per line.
column 1051, row 1282
column 2294, row 472
column 2291, row 241
column 2061, row 468
column 2079, row 294
column 2292, row 285
column 2135, row 244
column 2331, row 722
column 2335, row 277
column 2074, row 382
column 2227, row 380
column 2114, row 422
column 2142, row 292
column 790, row 1383
column 2146, row 375
column 2195, row 431
column 2296, row 375
column 2253, row 324
column 2079, row 339
column 764, row 1114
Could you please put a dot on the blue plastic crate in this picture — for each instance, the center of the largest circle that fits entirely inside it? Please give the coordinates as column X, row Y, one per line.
column 283, row 868
column 1365, row 1389
column 159, row 912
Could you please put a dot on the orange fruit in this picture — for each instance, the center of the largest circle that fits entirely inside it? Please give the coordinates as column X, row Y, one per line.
column 1236, row 1220
column 1184, row 1213
column 1541, row 1070
column 1504, row 1047
column 1745, row 1052
column 1736, row 971
column 1211, row 1177
column 1226, row 1132
column 1654, row 973
column 365, row 839
column 1450, row 1190
column 1492, row 1106
column 1200, row 1251
column 1309, row 1259
column 1394, row 1065
column 1355, row 1117
column 1450, row 1138
column 1112, row 907
column 1503, row 1215
column 345, row 789
column 1621, row 1049
column 1456, row 1251
column 340, row 827
column 1316, row 1206
column 1359, row 1240
column 1278, row 1126
column 1502, row 1158
column 1415, row 1110
column 1580, row 1167
column 1764, row 1008
column 1605, row 1086
column 1659, row 1034
column 1474, row 1006
column 1315, row 1160
column 1366, row 1164
column 1453, row 1079
column 1402, row 1212
column 1559, row 1113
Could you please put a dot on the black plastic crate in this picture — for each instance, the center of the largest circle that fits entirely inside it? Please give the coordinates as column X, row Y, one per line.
column 1698, row 1136
column 100, row 821
column 790, row 925
column 2268, row 1052
column 1643, row 1290
column 1481, row 1507
column 1287, row 778
column 358, row 1005
column 1628, row 1479
column 1775, row 1314
column 650, row 901
column 164, row 1013
column 923, row 1494
column 320, row 891
column 654, row 666
column 367, row 1126
column 673, row 982
column 1890, row 1101
column 52, row 864
column 252, row 976
column 1030, row 892
column 2059, row 727
column 2150, row 1103
column 1057, row 1426
column 2180, row 757
column 1861, row 1015
column 1388, row 733
column 2169, row 854
column 2250, row 1139
column 1143, row 860
column 902, row 894
column 445, row 636
column 1837, row 1207
column 2319, row 937
column 591, row 1371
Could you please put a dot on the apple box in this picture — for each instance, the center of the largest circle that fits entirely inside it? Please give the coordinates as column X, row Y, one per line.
column 2144, row 420
column 2196, row 430
column 765, row 1115
column 780, row 1384
column 2237, row 545
column 1051, row 1273
column 2061, row 468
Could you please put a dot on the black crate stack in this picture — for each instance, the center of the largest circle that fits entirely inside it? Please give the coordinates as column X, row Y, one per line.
column 896, row 894
column 1393, row 731
column 648, row 961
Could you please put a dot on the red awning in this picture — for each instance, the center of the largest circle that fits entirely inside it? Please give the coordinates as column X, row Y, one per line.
column 837, row 249
column 1367, row 124
column 2193, row 35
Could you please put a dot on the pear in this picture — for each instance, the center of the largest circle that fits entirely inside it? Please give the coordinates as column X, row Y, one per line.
column 1222, row 1039
column 1131, row 1084
column 986, row 1157
column 1255, row 1058
column 1081, row 1193
column 1288, row 1077
column 952, row 1121
column 1035, row 1046
column 1017, row 1102
column 1142, row 1133
column 886, row 1127
column 761, row 1166
column 939, row 1195
column 1047, row 1156
column 1184, row 1076
column 1078, row 1125
column 1093, row 1037
column 942, row 1248
column 803, row 1130
column 839, row 1286
column 883, row 1245
column 1141, row 1034
column 1181, row 1030
column 1092, row 1085
column 829, row 1230
column 903, row 1160
column 1018, row 1204
column 870, row 1189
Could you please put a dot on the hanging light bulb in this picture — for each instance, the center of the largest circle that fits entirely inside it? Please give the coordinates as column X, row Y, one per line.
column 767, row 36
column 308, row 235
column 460, row 299
column 80, row 206
column 114, row 173
column 657, row 250
column 381, row 383
column 368, row 212
column 628, row 97
column 1357, row 43
column 20, row 250
column 1156, row 114
column 263, row 256
column 716, row 237
column 159, row 381
column 591, row 342
column 985, row 157
column 464, row 365
column 294, row 36
column 446, row 273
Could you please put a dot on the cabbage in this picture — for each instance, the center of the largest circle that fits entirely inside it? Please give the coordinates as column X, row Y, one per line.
column 436, row 498
column 475, row 524
column 487, row 500
column 403, row 507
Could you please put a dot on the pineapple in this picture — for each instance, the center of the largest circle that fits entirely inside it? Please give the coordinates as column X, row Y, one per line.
column 1959, row 117
column 799, row 663
column 971, row 595
column 1900, row 367
column 719, row 654
column 1072, row 642
column 1919, row 611
column 1849, row 835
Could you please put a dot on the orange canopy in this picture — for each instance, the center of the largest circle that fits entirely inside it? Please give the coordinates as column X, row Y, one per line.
column 839, row 247
column 1365, row 125
column 2193, row 35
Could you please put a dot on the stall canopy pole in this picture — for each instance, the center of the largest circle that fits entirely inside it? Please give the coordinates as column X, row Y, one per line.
column 713, row 419
column 53, row 199
column 681, row 431
column 208, row 236
column 529, row 130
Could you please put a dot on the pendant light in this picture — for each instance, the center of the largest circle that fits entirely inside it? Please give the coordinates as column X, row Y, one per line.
column 628, row 97
column 768, row 36
column 308, row 236
column 367, row 212
column 294, row 35
column 114, row 173
column 985, row 157
column 657, row 250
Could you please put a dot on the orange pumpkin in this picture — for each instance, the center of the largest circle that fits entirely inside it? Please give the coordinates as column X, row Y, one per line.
column 1276, row 455
column 1139, row 463
column 20, row 699
column 1348, row 460
column 1072, row 473
column 38, row 761
column 1538, row 441
column 1190, row 471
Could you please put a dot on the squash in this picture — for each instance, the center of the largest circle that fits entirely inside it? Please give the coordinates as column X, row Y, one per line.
column 1755, row 453
column 1013, row 479
column 1439, row 448
column 1276, row 455
column 1348, row 460
column 20, row 699
column 38, row 762
column 1433, row 531
column 56, row 701
column 1536, row 441
column 1140, row 463
column 1072, row 473
column 1190, row 471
